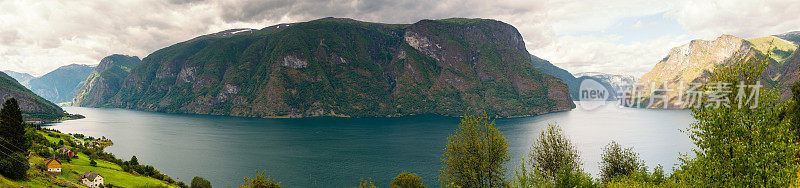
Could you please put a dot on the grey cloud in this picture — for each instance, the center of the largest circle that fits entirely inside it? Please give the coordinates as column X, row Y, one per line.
column 8, row 37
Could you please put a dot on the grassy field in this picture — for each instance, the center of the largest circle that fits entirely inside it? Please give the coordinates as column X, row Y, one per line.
column 112, row 173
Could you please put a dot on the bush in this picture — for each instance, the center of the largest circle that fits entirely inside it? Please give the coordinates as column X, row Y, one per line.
column 260, row 182
column 198, row 182
column 474, row 154
column 407, row 180
column 618, row 161
column 569, row 176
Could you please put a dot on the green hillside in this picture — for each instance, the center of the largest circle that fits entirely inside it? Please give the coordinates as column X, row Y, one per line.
column 34, row 108
column 106, row 79
column 782, row 50
column 344, row 67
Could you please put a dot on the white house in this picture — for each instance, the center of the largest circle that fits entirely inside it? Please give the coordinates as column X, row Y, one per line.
column 91, row 179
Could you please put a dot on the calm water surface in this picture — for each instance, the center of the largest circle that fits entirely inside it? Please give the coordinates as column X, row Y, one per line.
column 337, row 152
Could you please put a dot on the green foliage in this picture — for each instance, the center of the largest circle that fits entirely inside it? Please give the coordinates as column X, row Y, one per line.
column 366, row 183
column 12, row 128
column 793, row 111
column 474, row 154
column 350, row 68
column 92, row 162
column 573, row 177
column 14, row 166
column 551, row 152
column 260, row 181
column 554, row 162
column 134, row 161
column 199, row 182
column 741, row 146
column 43, row 109
column 14, row 142
column 407, row 180
column 618, row 161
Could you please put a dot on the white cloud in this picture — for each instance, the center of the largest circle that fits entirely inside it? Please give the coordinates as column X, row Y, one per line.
column 605, row 54
column 743, row 18
column 637, row 25
column 39, row 36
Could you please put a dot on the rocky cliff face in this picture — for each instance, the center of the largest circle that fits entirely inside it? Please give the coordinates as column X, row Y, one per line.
column 62, row 84
column 694, row 62
column 105, row 81
column 343, row 67
column 33, row 107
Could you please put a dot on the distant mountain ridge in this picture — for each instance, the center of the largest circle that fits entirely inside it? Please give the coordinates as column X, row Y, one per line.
column 62, row 84
column 619, row 82
column 345, row 67
column 573, row 82
column 22, row 78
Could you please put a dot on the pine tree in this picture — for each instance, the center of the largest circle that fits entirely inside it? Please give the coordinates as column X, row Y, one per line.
column 12, row 128
column 134, row 161
column 13, row 142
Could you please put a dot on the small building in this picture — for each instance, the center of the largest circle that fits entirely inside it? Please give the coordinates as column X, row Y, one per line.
column 53, row 164
column 66, row 151
column 91, row 179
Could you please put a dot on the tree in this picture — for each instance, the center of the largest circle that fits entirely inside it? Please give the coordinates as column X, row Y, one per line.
column 618, row 161
column 14, row 166
column 552, row 151
column 741, row 146
column 407, row 180
column 554, row 162
column 12, row 128
column 198, row 182
column 13, row 142
column 260, row 182
column 92, row 162
column 134, row 161
column 474, row 154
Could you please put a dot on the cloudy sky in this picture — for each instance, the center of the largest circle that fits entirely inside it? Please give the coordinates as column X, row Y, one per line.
column 607, row 36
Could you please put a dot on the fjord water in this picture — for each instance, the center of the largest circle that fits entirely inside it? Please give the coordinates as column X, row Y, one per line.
column 337, row 152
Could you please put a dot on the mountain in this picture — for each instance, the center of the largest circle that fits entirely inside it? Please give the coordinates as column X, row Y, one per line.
column 694, row 62
column 344, row 67
column 618, row 82
column 33, row 107
column 548, row 68
column 62, row 84
column 105, row 81
column 22, row 78
column 573, row 83
column 793, row 36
